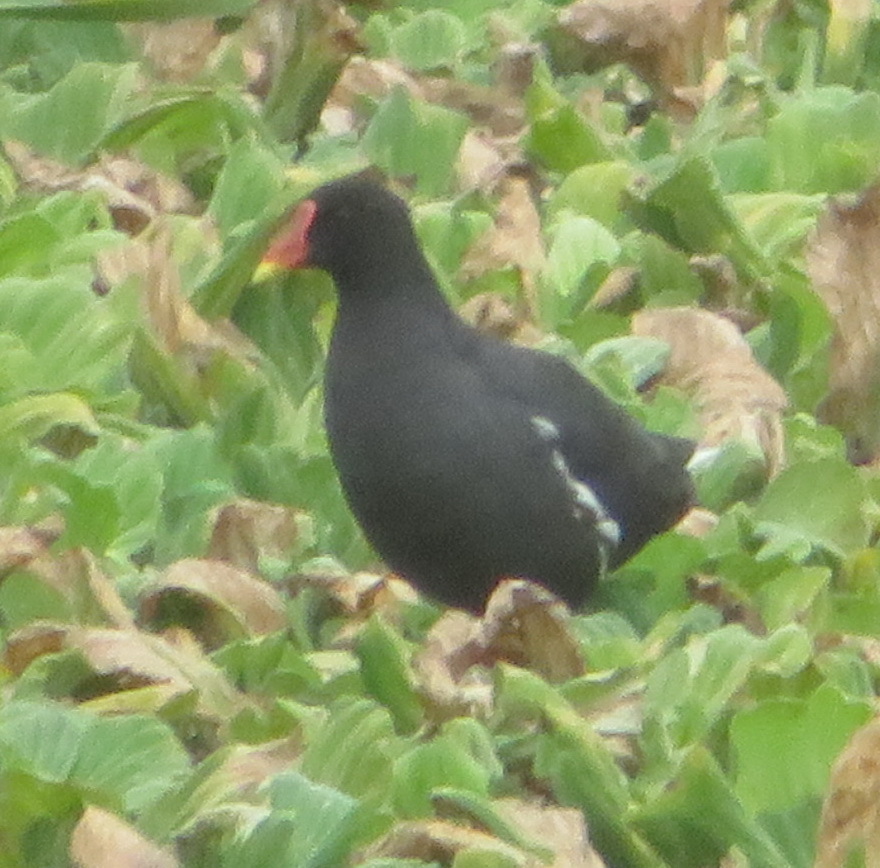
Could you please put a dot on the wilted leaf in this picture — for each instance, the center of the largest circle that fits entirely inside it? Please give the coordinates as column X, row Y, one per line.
column 527, row 626
column 451, row 648
column 843, row 258
column 851, row 811
column 562, row 830
column 76, row 576
column 515, row 239
column 246, row 531
column 214, row 599
column 439, row 840
column 179, row 50
column 523, row 624
column 128, row 660
column 671, row 43
column 103, row 840
column 710, row 360
column 19, row 546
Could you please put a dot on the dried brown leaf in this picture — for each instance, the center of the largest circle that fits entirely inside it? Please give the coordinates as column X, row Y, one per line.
column 134, row 192
column 669, row 43
column 31, row 642
column 173, row 319
column 524, row 624
column 178, row 50
column 711, row 361
column 562, row 830
column 617, row 288
column 130, row 657
column 493, row 314
column 481, row 162
column 851, row 812
column 515, row 240
column 215, row 600
column 438, row 840
column 248, row 767
column 527, row 625
column 128, row 661
column 493, row 108
column 75, row 575
column 843, row 260
column 246, row 531
column 19, row 546
column 444, row 668
column 104, row 840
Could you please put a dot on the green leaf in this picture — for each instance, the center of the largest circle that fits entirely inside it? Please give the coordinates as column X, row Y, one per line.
column 132, row 760
column 698, row 820
column 429, row 40
column 790, row 595
column 353, row 750
column 68, row 121
column 251, row 176
column 406, row 137
column 594, row 190
column 123, row 10
column 825, row 140
column 388, row 678
column 685, row 207
column 578, row 244
column 784, row 748
column 33, row 417
column 562, row 140
column 817, row 503
column 42, row 739
column 440, row 763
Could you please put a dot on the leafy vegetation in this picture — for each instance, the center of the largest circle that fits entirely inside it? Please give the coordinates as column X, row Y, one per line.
column 198, row 668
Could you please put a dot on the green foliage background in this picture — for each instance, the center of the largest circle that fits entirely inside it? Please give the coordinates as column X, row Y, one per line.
column 136, row 435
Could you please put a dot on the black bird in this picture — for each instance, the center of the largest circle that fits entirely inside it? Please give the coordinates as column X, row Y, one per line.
column 466, row 459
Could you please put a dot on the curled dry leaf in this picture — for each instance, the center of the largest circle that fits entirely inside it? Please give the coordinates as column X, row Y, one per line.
column 438, row 840
column 698, row 523
column 246, row 767
column 32, row 642
column 524, row 624
column 711, row 361
column 493, row 314
column 134, row 192
column 851, row 811
column 617, row 289
column 104, row 840
column 498, row 109
column 123, row 660
column 342, row 113
column 176, row 51
column 73, row 574
column 843, row 260
column 669, row 43
column 19, row 546
column 174, row 321
column 481, row 162
column 214, row 600
column 246, row 531
column 562, row 830
column 359, row 595
column 494, row 108
column 444, row 668
column 515, row 239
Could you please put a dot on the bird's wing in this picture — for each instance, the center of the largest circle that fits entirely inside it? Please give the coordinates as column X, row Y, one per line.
column 638, row 476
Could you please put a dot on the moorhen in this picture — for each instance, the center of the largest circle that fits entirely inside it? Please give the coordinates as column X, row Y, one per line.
column 466, row 459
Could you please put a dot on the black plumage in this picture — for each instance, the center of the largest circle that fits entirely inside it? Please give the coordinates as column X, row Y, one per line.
column 466, row 459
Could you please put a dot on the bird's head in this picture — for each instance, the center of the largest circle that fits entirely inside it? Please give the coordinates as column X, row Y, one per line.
column 347, row 227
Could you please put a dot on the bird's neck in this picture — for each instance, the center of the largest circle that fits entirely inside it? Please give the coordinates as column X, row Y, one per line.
column 393, row 291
